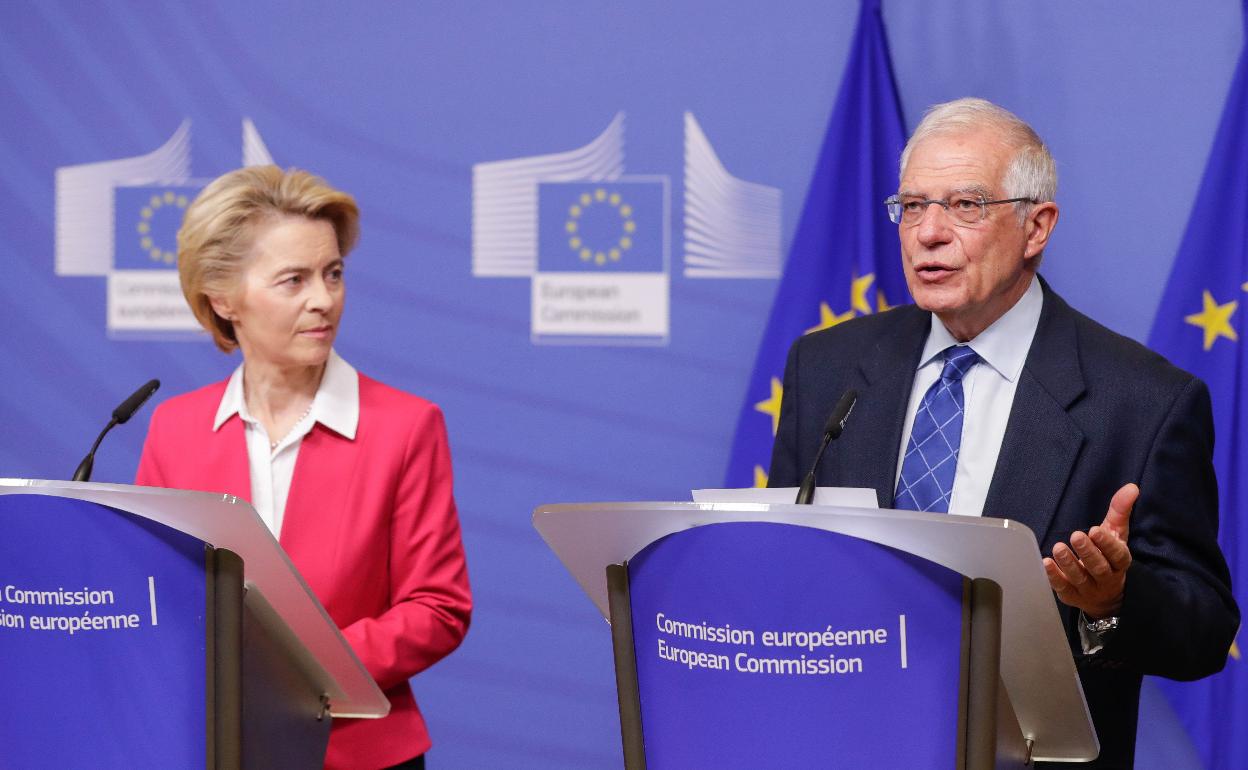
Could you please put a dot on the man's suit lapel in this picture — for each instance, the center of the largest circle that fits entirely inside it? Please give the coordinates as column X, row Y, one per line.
column 1041, row 440
column 887, row 377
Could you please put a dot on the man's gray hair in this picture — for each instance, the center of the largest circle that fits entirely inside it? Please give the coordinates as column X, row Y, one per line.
column 1031, row 172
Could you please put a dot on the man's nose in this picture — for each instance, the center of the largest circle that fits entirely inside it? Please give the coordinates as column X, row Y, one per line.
column 935, row 227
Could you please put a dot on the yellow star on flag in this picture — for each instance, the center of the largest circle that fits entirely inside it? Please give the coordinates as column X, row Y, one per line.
column 1215, row 319
column 771, row 405
column 828, row 319
column 760, row 481
column 858, row 293
column 881, row 304
column 1234, row 644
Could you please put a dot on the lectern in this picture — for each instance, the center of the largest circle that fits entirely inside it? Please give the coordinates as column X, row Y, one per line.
column 144, row 627
column 783, row 635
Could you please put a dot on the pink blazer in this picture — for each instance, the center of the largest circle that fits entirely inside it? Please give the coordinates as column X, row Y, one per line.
column 369, row 522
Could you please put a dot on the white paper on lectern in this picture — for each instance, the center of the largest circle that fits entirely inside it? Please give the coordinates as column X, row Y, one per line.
column 843, row 497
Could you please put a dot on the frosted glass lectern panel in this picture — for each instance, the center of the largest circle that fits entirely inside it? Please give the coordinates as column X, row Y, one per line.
column 224, row 521
column 1036, row 664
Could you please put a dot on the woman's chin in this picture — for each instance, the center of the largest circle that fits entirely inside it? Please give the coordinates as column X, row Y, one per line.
column 296, row 356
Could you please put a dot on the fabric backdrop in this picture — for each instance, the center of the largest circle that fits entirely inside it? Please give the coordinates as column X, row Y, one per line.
column 477, row 138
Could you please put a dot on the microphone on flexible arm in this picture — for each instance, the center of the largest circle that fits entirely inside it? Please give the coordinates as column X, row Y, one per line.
column 831, row 432
column 120, row 415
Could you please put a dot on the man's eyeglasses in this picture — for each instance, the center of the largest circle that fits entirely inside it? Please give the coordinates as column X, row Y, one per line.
column 965, row 209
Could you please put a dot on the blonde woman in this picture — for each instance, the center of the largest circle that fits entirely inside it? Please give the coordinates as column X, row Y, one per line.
column 352, row 476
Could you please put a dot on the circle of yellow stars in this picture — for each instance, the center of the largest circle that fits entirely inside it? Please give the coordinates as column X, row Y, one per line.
column 588, row 200
column 146, row 242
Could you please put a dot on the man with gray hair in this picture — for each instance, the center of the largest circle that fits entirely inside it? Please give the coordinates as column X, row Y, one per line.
column 992, row 396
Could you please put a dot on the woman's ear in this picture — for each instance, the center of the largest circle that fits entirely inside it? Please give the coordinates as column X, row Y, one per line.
column 222, row 306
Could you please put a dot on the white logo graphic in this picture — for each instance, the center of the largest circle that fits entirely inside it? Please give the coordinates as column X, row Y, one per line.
column 145, row 195
column 504, row 199
column 595, row 243
column 732, row 227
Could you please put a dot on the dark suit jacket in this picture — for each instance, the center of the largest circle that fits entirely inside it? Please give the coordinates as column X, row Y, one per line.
column 1093, row 411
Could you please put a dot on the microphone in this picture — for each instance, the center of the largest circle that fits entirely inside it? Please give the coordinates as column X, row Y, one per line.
column 831, row 432
column 121, row 415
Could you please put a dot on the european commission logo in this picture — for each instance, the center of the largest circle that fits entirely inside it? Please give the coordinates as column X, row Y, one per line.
column 602, row 261
column 595, row 243
column 119, row 219
column 146, row 220
column 607, row 226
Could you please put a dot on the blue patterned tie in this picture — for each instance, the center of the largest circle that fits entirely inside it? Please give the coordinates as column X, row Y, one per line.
column 931, row 458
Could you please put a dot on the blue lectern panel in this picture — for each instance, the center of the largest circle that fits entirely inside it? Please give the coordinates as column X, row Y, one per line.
column 769, row 645
column 102, row 638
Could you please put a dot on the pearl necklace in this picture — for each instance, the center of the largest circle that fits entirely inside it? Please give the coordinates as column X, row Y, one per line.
column 302, row 417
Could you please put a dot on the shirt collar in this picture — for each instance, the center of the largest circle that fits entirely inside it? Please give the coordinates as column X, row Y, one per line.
column 232, row 401
column 336, row 405
column 1004, row 345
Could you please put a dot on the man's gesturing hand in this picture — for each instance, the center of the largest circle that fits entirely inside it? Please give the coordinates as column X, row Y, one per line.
column 1091, row 572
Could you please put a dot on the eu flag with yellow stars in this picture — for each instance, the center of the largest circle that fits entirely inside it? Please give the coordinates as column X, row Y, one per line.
column 1200, row 327
column 612, row 227
column 845, row 259
column 146, row 219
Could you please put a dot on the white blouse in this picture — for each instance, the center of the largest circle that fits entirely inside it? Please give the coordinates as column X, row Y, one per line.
column 336, row 406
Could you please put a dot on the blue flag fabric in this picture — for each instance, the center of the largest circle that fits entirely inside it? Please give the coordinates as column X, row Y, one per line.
column 1200, row 327
column 845, row 260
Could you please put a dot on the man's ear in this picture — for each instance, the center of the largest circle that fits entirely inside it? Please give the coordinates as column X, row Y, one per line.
column 1039, row 226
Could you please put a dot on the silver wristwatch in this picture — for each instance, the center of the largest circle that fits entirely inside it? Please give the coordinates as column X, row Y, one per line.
column 1102, row 626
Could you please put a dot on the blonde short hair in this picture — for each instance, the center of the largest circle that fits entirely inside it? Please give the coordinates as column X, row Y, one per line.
column 219, row 226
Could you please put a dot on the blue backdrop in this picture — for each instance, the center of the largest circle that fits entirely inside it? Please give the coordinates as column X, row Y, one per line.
column 440, row 119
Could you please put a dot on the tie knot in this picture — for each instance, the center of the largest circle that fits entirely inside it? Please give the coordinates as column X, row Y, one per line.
column 958, row 361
